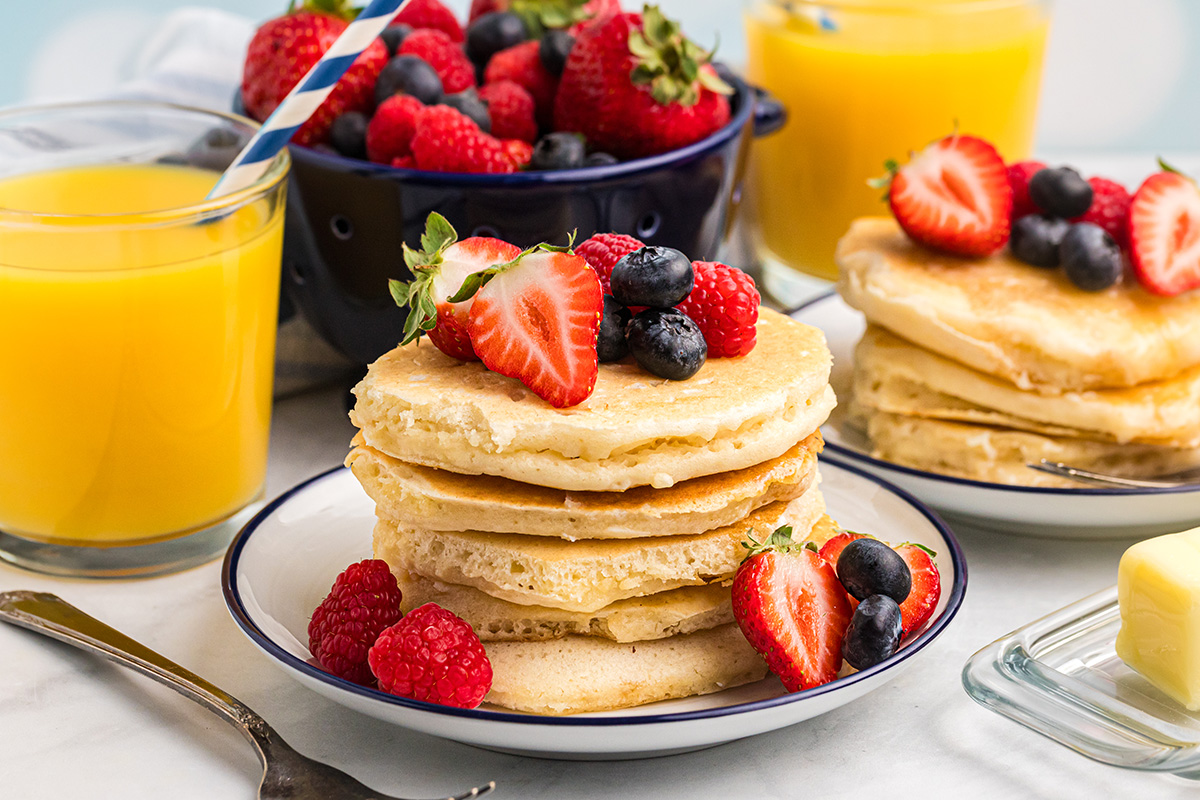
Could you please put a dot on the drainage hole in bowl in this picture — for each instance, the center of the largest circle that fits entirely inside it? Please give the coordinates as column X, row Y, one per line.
column 648, row 225
column 341, row 226
column 486, row 230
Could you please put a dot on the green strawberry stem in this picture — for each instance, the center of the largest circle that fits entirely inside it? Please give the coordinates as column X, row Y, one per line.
column 336, row 8
column 540, row 16
column 780, row 541
column 670, row 63
column 417, row 295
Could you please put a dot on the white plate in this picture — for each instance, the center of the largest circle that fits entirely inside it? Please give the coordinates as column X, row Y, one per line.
column 1083, row 513
column 283, row 562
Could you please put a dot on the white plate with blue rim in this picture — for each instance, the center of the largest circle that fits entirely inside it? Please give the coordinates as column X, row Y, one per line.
column 284, row 561
column 1083, row 513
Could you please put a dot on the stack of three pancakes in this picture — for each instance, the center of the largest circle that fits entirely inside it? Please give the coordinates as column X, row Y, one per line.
column 975, row 368
column 592, row 548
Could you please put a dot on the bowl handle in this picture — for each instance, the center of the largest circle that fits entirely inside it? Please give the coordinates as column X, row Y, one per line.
column 769, row 113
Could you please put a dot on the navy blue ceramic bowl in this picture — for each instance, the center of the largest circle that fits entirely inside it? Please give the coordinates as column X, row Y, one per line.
column 347, row 219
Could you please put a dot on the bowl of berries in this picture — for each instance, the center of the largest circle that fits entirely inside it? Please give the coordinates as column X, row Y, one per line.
column 537, row 117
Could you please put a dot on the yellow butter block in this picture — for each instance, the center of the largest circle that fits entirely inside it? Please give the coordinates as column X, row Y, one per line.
column 1158, row 589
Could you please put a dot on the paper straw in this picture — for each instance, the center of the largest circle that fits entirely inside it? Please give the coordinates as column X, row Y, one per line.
column 305, row 97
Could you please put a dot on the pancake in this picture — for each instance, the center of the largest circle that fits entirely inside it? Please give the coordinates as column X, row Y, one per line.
column 423, row 407
column 419, row 497
column 582, row 673
column 588, row 575
column 1026, row 325
column 999, row 455
column 891, row 373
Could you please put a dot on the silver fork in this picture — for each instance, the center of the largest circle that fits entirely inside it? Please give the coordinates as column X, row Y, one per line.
column 1187, row 477
column 286, row 773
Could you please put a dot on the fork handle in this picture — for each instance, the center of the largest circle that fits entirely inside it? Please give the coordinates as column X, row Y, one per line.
column 50, row 615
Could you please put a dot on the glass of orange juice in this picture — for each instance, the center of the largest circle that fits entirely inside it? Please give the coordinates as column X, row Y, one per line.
column 137, row 336
column 869, row 80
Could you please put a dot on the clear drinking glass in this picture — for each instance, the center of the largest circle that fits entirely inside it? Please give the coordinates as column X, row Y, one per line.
column 137, row 336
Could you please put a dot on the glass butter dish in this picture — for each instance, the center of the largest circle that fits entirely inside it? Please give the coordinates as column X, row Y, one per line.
column 1061, row 677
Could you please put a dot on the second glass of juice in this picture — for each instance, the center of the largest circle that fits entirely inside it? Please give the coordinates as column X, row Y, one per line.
column 865, row 81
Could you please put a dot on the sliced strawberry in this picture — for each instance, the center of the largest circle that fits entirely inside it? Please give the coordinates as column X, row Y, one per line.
column 834, row 547
column 1164, row 234
column 954, row 196
column 926, row 587
column 792, row 610
column 536, row 319
column 439, row 270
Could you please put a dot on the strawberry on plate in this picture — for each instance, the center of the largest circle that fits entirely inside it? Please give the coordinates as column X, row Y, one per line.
column 1164, row 233
column 536, row 319
column 439, row 269
column 792, row 610
column 953, row 196
column 926, row 590
column 284, row 49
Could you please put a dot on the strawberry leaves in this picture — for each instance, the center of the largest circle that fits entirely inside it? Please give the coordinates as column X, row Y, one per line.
column 424, row 264
column 670, row 63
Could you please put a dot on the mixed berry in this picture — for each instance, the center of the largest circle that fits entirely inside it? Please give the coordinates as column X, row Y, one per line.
column 958, row 196
column 528, row 85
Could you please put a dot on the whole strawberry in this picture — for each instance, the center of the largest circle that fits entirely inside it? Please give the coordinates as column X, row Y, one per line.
column 364, row 600
column 724, row 303
column 442, row 53
column 420, row 14
column 434, row 656
column 446, row 140
column 603, row 251
column 284, row 49
column 634, row 86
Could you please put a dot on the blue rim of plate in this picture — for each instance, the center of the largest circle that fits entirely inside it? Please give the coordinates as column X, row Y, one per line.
column 233, row 601
column 877, row 463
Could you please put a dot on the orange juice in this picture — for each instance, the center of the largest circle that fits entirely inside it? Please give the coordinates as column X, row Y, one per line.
column 893, row 76
column 137, row 356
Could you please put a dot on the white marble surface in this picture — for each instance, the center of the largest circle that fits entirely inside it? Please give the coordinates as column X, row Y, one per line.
column 73, row 726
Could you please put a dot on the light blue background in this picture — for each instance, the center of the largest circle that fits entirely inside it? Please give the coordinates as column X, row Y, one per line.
column 1121, row 74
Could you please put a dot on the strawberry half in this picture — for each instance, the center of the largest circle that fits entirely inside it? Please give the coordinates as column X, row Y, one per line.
column 1164, row 234
column 926, row 587
column 792, row 610
column 536, row 319
column 439, row 268
column 953, row 196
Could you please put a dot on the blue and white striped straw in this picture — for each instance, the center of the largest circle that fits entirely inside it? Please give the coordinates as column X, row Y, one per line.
column 305, row 97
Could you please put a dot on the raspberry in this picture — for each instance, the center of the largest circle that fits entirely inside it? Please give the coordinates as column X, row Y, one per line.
column 604, row 250
column 430, row 14
column 522, row 65
column 446, row 57
column 404, row 162
column 511, row 108
column 447, row 141
column 1018, row 178
column 363, row 601
column 432, row 655
column 724, row 303
column 518, row 151
column 1109, row 209
column 390, row 131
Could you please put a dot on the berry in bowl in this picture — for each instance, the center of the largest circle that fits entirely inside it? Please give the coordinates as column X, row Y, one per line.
column 534, row 119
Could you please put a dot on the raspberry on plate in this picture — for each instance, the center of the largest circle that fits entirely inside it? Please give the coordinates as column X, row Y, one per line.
column 724, row 303
column 603, row 251
column 420, row 14
column 446, row 57
column 434, row 656
column 1018, row 178
column 1109, row 209
column 512, row 110
column 364, row 600
column 390, row 131
column 448, row 141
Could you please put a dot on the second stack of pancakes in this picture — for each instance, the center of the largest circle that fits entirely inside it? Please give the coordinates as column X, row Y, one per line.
column 591, row 548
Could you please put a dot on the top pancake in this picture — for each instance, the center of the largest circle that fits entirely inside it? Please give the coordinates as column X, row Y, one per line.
column 1027, row 325
column 421, row 406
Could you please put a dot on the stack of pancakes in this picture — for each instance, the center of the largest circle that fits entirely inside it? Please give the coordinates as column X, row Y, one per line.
column 591, row 548
column 974, row 368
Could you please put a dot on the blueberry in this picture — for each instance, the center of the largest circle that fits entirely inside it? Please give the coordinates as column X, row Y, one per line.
column 216, row 149
column 660, row 277
column 1060, row 192
column 600, row 160
column 348, row 134
column 408, row 75
column 493, row 32
column 554, row 48
column 1090, row 257
column 611, row 344
column 558, row 151
column 238, row 105
column 667, row 343
column 874, row 632
column 868, row 566
column 394, row 35
column 1036, row 237
column 468, row 102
